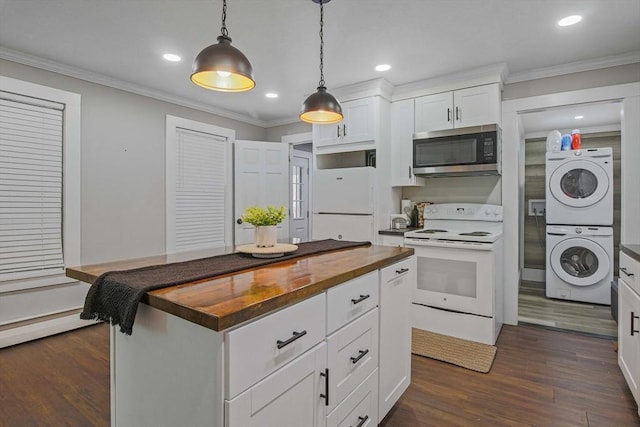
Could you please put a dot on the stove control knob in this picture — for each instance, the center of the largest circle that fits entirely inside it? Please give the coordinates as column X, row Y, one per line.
column 487, row 212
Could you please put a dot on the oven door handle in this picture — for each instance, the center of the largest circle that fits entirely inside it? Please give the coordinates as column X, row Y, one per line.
column 421, row 243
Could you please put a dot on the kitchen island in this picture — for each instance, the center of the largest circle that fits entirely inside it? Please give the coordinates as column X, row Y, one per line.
column 312, row 341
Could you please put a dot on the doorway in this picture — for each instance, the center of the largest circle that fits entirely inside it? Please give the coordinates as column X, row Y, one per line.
column 300, row 185
column 300, row 193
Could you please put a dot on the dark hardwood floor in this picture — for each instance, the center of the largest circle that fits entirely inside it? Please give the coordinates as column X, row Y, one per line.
column 539, row 378
column 535, row 308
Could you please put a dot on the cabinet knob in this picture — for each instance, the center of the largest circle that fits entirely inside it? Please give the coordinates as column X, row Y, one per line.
column 448, row 115
column 402, row 270
column 362, row 420
column 633, row 317
column 361, row 354
column 344, row 130
column 338, row 131
column 239, row 221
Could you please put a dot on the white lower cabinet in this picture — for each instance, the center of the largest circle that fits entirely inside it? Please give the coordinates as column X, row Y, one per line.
column 396, row 284
column 290, row 397
column 629, row 323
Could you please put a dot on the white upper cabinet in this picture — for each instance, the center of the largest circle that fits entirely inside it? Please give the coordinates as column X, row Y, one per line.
column 402, row 116
column 472, row 106
column 358, row 124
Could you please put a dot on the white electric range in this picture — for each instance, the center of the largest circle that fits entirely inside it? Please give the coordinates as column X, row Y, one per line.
column 459, row 255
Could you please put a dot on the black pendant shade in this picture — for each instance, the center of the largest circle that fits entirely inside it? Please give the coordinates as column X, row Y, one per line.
column 221, row 66
column 321, row 108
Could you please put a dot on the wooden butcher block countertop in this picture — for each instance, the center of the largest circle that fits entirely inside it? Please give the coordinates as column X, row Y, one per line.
column 225, row 301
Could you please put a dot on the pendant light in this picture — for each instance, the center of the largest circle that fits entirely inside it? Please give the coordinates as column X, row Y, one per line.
column 321, row 107
column 221, row 66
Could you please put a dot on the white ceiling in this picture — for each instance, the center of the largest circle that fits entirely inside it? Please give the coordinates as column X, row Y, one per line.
column 123, row 41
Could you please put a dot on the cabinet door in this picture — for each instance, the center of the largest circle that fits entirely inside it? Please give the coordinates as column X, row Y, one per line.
column 477, row 106
column 388, row 240
column 434, row 112
column 359, row 121
column 628, row 338
column 396, row 284
column 290, row 397
column 324, row 135
column 402, row 118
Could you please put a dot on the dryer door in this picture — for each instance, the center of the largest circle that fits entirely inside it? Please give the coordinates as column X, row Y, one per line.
column 580, row 262
column 579, row 183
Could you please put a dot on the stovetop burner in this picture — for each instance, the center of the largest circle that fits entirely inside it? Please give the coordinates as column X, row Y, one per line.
column 432, row 231
column 476, row 233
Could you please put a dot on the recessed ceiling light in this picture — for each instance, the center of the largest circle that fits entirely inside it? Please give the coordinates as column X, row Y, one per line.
column 579, row 117
column 171, row 57
column 569, row 20
column 271, row 95
column 383, row 67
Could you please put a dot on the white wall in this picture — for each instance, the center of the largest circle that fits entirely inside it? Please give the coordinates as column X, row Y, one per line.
column 464, row 189
column 275, row 133
column 122, row 162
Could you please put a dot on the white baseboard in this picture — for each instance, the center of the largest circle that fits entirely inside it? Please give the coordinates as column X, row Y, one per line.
column 533, row 275
column 12, row 336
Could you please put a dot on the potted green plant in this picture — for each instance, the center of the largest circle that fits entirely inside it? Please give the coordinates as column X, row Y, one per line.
column 265, row 220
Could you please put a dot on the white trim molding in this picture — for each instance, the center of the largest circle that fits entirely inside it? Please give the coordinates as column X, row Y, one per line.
column 574, row 67
column 101, row 79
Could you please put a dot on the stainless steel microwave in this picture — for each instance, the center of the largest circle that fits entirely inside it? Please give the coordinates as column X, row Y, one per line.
column 458, row 152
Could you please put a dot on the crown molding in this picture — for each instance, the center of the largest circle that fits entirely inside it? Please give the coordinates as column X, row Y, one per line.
column 79, row 73
column 494, row 73
column 575, row 67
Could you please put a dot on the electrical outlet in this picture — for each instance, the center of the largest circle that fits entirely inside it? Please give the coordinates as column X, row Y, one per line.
column 536, row 207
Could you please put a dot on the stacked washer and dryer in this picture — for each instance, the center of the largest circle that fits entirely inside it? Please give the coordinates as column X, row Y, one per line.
column 579, row 216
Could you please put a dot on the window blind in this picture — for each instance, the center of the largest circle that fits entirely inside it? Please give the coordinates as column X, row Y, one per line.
column 200, row 190
column 30, row 187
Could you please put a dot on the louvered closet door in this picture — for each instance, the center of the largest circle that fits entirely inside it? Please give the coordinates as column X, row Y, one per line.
column 30, row 187
column 200, row 184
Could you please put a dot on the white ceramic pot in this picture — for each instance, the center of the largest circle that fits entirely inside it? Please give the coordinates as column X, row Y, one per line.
column 266, row 236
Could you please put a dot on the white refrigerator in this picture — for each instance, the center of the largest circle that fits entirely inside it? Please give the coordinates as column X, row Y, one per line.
column 343, row 203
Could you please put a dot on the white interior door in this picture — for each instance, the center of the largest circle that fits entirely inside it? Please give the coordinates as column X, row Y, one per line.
column 300, row 197
column 261, row 178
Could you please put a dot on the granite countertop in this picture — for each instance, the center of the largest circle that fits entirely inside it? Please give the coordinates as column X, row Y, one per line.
column 632, row 250
column 397, row 231
column 225, row 301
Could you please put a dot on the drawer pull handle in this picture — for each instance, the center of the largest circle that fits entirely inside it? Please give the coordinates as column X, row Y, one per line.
column 402, row 270
column 325, row 396
column 296, row 335
column 634, row 331
column 359, row 300
column 624, row 270
column 362, row 420
column 360, row 355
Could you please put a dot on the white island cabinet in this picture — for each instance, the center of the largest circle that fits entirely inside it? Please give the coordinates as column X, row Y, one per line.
column 338, row 358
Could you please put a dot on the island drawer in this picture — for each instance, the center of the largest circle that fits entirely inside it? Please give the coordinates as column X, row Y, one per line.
column 259, row 348
column 359, row 408
column 351, row 300
column 352, row 354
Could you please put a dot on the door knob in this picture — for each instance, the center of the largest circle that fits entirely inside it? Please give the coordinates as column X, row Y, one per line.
column 239, row 221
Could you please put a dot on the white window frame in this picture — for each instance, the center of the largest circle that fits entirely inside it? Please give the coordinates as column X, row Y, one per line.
column 174, row 123
column 71, row 179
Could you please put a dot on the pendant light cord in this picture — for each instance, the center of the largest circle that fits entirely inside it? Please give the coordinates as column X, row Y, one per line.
column 224, row 19
column 321, row 83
